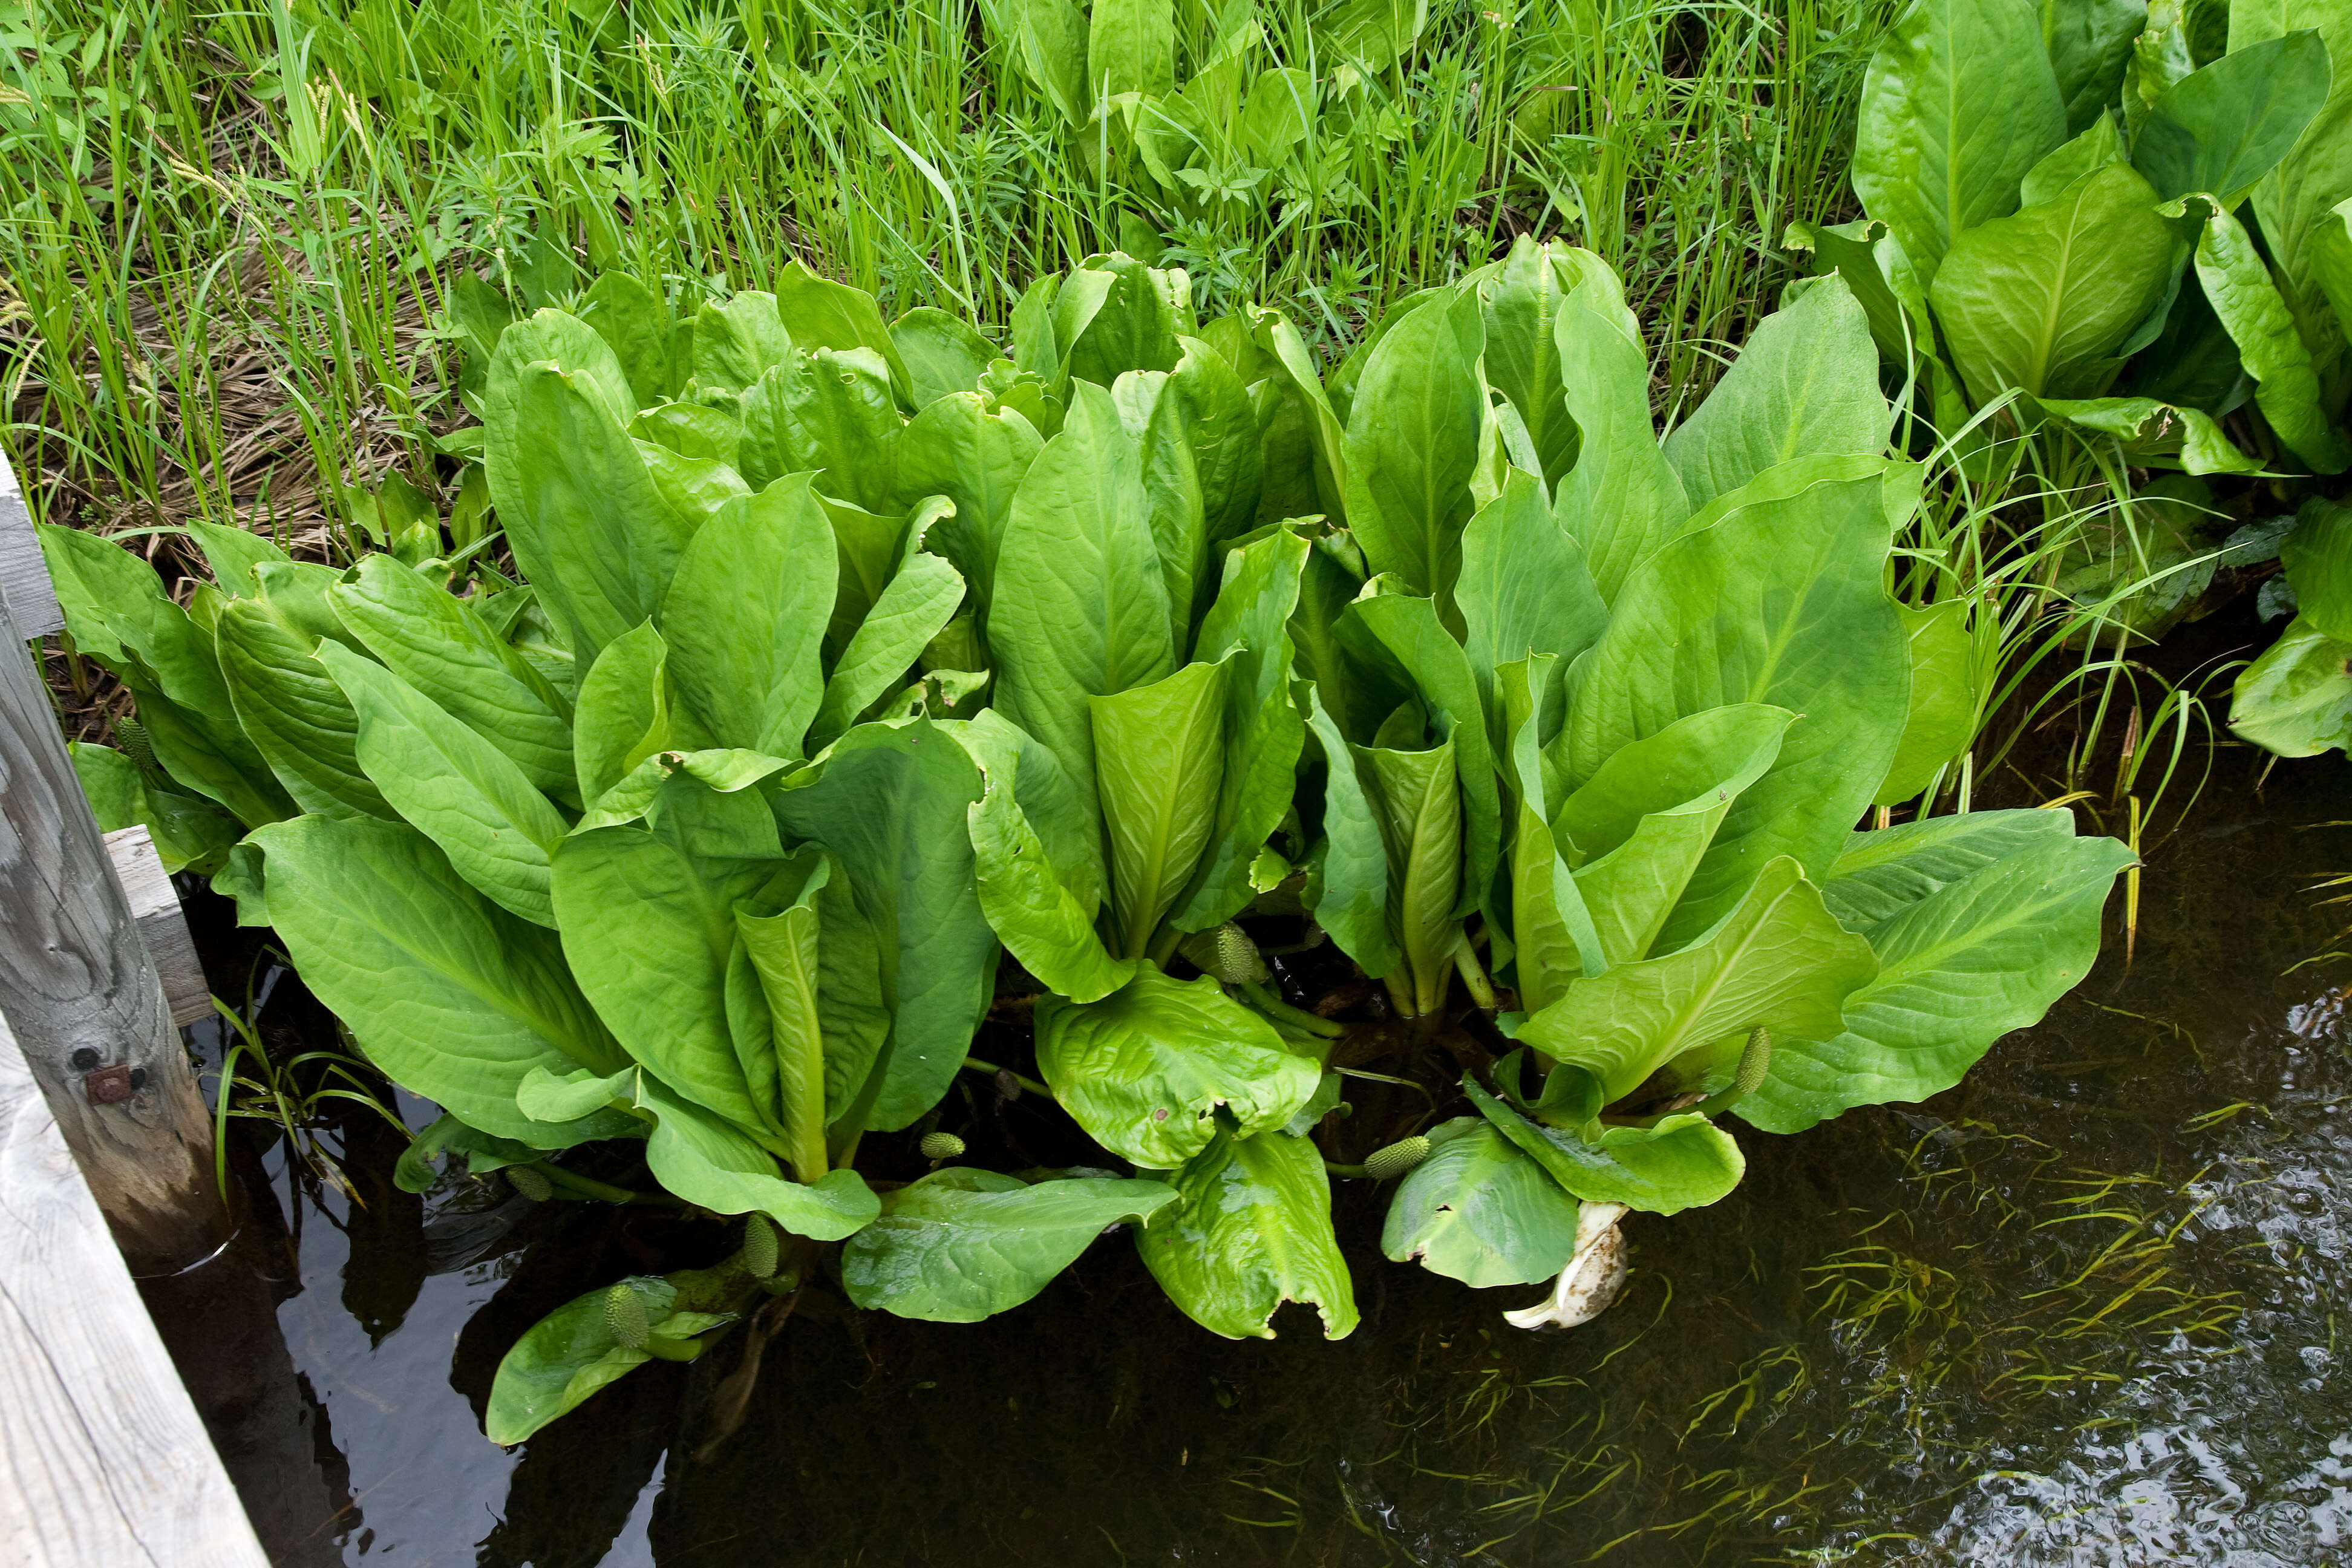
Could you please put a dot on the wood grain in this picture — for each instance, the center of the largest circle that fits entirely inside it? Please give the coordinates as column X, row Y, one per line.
column 25, row 591
column 162, row 926
column 103, row 1462
column 82, row 998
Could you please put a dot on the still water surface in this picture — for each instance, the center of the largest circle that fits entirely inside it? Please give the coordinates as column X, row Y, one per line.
column 2087, row 1308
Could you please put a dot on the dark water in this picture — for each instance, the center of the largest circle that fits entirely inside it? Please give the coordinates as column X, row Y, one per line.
column 2084, row 1309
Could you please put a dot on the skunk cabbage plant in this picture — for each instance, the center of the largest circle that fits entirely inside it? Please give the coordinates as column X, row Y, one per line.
column 839, row 659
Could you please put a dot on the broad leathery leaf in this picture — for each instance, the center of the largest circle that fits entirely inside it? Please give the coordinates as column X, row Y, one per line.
column 820, row 313
column 1524, row 589
column 713, row 1165
column 1033, row 911
column 1636, row 830
column 437, row 643
column 746, row 620
column 961, row 449
column 1051, row 36
column 2287, row 388
column 2150, row 429
column 1251, row 1229
column 1806, row 384
column 1779, row 602
column 214, row 759
column 1957, row 969
column 941, row 353
column 452, row 785
column 1684, row 1162
column 1420, row 810
column 1131, row 47
column 1522, row 304
column 2296, row 201
column 1115, row 314
column 1144, row 1069
column 781, row 1041
column 450, row 997
column 1348, row 883
column 1872, row 262
column 1276, row 115
column 2224, row 128
column 1079, row 608
column 868, row 548
column 1412, row 443
column 1154, row 418
column 962, row 1245
column 1367, row 36
column 187, row 830
column 549, row 337
column 737, row 341
column 1550, row 929
column 116, row 610
column 636, row 322
column 647, row 916
column 1293, row 365
column 1480, row 1211
column 2296, row 698
column 2317, row 558
column 694, row 430
column 1960, row 99
column 293, row 711
column 1884, row 871
column 915, row 608
column 1942, row 720
column 623, row 713
column 833, row 411
column 233, row 553
column 2090, row 45
column 593, row 532
column 1159, row 758
column 1900, row 488
column 1261, row 735
column 570, row 1354
column 1777, row 961
column 1067, row 828
column 2043, row 300
column 890, row 803
column 1408, row 628
column 1220, row 428
column 1622, row 499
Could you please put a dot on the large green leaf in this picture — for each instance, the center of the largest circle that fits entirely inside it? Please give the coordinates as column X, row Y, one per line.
column 291, row 710
column 117, row 612
column 1524, row 587
column 438, row 644
column 623, row 712
column 1884, row 871
column 714, row 1165
column 1079, row 608
column 1972, row 958
column 1246, row 630
column 1144, row 1069
column 1419, row 806
column 2042, row 300
column 1412, row 443
column 1158, row 762
column 1220, row 428
column 1682, row 1161
column 452, row 785
column 737, row 341
column 1622, row 499
column 1960, row 101
column 1408, row 627
column 2287, row 388
column 1872, row 262
column 1943, row 717
column 1637, row 829
column 647, row 914
column 1037, row 855
column 961, row 1244
column 2156, row 433
column 2317, row 558
column 889, row 804
column 2090, row 45
column 187, row 830
column 2296, row 698
column 1293, row 366
column 1115, row 314
column 820, row 313
column 1154, row 416
column 1779, row 602
column 1480, row 1211
column 1348, row 883
column 942, row 356
column 1131, row 47
column 780, row 1039
column 2224, row 128
column 452, row 997
column 1523, row 303
column 1778, row 962
column 636, row 323
column 831, row 410
column 1805, row 385
column 1251, row 1229
column 746, row 619
column 915, row 608
column 960, row 448
column 2295, row 200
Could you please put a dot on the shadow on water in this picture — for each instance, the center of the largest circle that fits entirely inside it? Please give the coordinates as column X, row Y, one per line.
column 2082, row 1310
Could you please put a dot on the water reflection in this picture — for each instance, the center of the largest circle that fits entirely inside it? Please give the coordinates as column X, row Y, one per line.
column 2081, row 1310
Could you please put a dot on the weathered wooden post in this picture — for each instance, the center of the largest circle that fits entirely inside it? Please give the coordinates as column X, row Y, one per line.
column 76, row 984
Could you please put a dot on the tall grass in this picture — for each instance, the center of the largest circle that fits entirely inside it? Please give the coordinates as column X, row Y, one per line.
column 230, row 231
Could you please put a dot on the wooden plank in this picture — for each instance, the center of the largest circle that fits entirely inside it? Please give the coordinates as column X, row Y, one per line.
column 155, row 909
column 85, row 1002
column 103, row 1459
column 26, row 594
